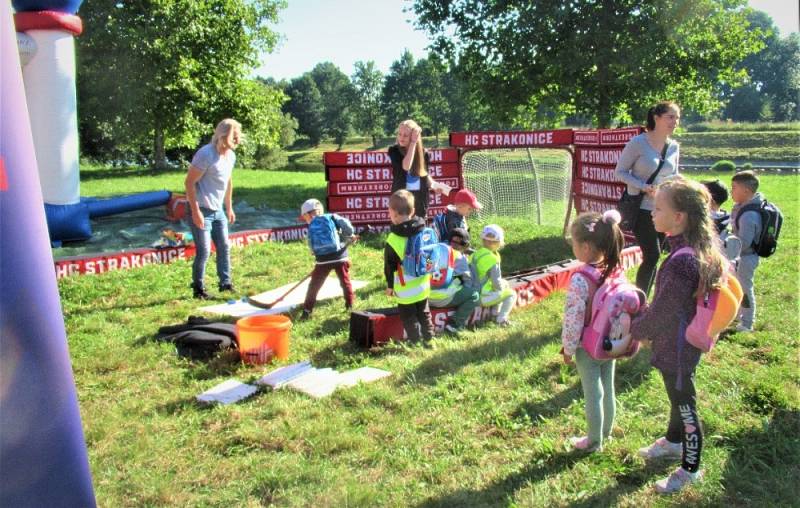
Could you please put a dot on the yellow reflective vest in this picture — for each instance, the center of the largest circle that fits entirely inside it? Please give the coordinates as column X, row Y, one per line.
column 484, row 259
column 408, row 289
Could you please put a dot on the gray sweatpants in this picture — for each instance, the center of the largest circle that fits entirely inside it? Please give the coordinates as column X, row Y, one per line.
column 746, row 271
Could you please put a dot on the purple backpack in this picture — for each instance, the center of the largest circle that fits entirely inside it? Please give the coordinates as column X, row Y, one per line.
column 613, row 303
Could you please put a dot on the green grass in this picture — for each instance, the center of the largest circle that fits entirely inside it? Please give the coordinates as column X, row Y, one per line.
column 781, row 146
column 479, row 421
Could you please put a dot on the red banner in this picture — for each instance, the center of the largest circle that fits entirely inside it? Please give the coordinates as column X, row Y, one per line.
column 597, row 155
column 381, row 158
column 371, row 202
column 606, row 137
column 353, row 188
column 101, row 263
column 594, row 185
column 561, row 137
column 377, row 174
column 600, row 190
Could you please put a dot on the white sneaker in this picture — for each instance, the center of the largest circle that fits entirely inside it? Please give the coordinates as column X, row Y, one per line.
column 675, row 482
column 740, row 328
column 661, row 449
column 583, row 444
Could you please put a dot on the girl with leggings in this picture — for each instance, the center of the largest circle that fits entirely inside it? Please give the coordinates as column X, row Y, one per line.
column 681, row 213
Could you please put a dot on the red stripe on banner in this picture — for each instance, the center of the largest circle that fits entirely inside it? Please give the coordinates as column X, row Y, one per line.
column 353, row 188
column 373, row 217
column 590, row 138
column 606, row 137
column 583, row 204
column 361, row 174
column 372, row 202
column 499, row 139
column 596, row 155
column 599, row 190
column 618, row 137
column 381, row 158
column 101, row 263
column 597, row 173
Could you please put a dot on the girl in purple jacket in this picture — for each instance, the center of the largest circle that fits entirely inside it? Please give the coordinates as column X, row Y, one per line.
column 681, row 211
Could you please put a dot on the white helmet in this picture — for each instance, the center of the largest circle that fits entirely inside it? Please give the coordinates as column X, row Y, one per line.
column 493, row 233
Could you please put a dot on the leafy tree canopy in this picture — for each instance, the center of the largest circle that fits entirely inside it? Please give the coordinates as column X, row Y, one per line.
column 604, row 59
column 166, row 72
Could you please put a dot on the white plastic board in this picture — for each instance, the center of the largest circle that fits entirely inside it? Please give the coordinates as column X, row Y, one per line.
column 239, row 308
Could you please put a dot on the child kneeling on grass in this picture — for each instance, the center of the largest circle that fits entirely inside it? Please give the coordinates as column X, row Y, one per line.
column 495, row 290
column 680, row 212
column 459, row 292
column 329, row 235
column 596, row 241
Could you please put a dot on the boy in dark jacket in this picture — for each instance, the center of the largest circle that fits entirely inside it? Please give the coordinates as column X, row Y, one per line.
column 411, row 292
column 464, row 203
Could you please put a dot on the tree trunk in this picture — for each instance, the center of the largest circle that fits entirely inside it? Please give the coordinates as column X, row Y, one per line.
column 374, row 140
column 159, row 154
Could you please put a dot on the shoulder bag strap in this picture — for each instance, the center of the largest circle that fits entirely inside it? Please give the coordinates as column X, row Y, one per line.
column 660, row 164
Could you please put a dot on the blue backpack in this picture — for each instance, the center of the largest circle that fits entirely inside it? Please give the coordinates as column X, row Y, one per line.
column 422, row 255
column 323, row 236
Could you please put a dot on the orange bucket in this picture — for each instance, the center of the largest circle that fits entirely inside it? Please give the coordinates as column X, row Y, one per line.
column 262, row 336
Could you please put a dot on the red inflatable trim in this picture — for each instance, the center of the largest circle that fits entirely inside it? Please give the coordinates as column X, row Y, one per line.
column 48, row 20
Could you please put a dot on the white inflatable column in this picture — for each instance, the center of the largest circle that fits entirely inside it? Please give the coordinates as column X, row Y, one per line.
column 52, row 104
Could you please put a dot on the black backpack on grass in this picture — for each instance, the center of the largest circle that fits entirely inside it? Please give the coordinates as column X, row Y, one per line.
column 199, row 338
column 771, row 222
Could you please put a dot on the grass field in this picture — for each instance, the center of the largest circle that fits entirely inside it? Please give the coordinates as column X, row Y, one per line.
column 478, row 421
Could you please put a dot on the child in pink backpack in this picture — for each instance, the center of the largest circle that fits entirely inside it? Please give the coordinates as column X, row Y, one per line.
column 596, row 241
column 681, row 211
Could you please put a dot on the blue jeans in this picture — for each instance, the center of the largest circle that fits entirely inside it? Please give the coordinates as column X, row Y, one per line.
column 215, row 227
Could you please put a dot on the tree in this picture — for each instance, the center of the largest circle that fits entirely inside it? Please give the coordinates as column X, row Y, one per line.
column 401, row 94
column 338, row 95
column 305, row 104
column 772, row 91
column 430, row 77
column 167, row 72
column 605, row 59
column 368, row 83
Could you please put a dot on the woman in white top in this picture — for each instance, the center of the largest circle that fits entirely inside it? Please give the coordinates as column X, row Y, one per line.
column 639, row 160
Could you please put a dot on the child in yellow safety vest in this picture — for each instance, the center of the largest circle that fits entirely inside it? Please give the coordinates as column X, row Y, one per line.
column 411, row 292
column 458, row 292
column 495, row 290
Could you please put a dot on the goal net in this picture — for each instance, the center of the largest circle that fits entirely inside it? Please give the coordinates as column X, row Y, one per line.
column 532, row 183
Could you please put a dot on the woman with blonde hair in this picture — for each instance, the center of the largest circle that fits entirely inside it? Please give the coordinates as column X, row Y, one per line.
column 410, row 165
column 209, row 191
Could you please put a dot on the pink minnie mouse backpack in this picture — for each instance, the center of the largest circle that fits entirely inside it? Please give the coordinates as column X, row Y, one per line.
column 613, row 303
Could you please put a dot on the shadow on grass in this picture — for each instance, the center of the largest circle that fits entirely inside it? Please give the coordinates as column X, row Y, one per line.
column 762, row 467
column 534, row 252
column 628, row 375
column 519, row 344
column 498, row 493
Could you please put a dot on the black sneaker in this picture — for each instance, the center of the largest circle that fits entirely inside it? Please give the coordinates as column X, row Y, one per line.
column 200, row 293
column 305, row 316
column 226, row 287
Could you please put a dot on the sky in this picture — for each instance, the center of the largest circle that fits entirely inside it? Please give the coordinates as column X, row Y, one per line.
column 346, row 31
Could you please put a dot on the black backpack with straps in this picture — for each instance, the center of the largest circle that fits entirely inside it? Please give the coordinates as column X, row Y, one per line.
column 771, row 222
column 199, row 338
